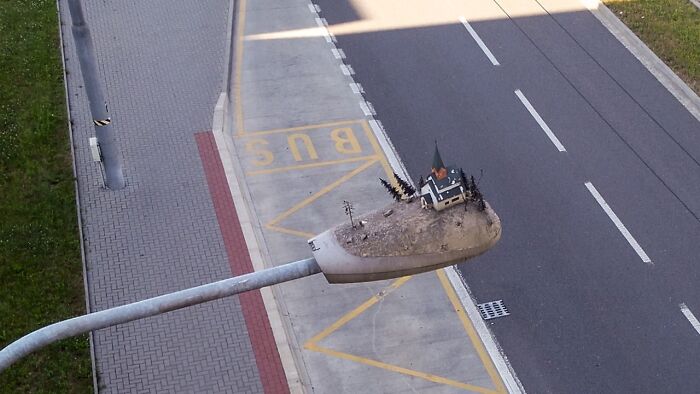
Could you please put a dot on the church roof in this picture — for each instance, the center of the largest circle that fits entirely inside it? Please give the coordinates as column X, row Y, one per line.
column 437, row 160
column 445, row 188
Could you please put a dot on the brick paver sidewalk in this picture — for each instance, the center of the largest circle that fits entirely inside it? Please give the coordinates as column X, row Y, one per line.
column 162, row 63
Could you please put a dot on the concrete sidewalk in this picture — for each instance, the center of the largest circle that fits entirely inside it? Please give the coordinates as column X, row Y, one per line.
column 162, row 63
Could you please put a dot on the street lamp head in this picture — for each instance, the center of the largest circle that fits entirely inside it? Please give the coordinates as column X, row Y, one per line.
column 404, row 239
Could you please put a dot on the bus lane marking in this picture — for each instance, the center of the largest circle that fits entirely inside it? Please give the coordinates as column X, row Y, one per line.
column 313, row 343
column 301, row 142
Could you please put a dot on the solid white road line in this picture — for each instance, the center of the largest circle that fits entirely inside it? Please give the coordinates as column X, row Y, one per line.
column 618, row 223
column 338, row 53
column 691, row 318
column 321, row 22
column 510, row 379
column 476, row 38
column 357, row 88
column 367, row 108
column 346, row 69
column 540, row 121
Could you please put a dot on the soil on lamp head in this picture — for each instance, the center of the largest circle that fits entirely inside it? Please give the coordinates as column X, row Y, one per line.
column 412, row 230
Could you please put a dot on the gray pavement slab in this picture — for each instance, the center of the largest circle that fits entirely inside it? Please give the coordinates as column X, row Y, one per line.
column 162, row 64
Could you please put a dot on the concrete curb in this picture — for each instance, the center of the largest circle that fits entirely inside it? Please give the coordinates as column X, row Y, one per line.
column 79, row 215
column 256, row 248
column 500, row 361
column 222, row 127
column 684, row 94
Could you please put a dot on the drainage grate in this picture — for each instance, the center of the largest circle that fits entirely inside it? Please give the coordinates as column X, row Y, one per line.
column 493, row 309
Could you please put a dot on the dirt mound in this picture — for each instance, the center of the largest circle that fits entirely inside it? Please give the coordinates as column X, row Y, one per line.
column 412, row 230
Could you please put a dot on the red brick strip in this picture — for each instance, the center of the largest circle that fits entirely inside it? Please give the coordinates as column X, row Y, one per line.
column 267, row 357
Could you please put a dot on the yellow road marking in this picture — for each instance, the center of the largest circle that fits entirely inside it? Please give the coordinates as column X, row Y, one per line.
column 312, row 344
column 357, row 311
column 469, row 328
column 300, row 128
column 321, row 192
column 290, row 231
column 311, row 165
column 405, row 371
column 240, row 30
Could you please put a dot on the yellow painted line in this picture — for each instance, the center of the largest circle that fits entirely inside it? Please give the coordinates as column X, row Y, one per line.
column 375, row 145
column 357, row 311
column 469, row 328
column 289, row 231
column 321, row 192
column 312, row 345
column 311, row 165
column 240, row 30
column 300, row 128
column 405, row 371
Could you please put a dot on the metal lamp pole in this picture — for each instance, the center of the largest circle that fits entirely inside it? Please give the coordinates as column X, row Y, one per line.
column 154, row 306
column 109, row 152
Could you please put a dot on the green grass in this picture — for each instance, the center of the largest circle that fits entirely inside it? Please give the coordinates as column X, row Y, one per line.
column 670, row 28
column 40, row 268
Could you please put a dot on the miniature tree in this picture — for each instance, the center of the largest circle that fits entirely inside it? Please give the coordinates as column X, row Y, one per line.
column 465, row 183
column 406, row 187
column 465, row 187
column 472, row 187
column 392, row 190
column 348, row 211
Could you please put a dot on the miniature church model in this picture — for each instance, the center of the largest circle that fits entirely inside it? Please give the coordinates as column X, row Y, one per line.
column 444, row 187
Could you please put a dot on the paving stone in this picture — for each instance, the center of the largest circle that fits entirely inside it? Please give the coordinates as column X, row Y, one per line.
column 161, row 63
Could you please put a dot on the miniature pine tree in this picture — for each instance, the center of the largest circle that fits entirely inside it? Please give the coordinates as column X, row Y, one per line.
column 465, row 187
column 406, row 187
column 392, row 190
column 465, row 183
column 472, row 186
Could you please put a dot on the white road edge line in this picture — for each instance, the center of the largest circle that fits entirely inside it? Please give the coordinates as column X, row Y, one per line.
column 618, row 223
column 478, row 40
column 367, row 108
column 346, row 69
column 691, row 318
column 338, row 53
column 510, row 380
column 540, row 121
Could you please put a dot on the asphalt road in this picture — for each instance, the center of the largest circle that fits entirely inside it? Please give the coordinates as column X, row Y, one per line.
column 588, row 314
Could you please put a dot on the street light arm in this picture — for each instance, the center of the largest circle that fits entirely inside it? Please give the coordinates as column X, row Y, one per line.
column 154, row 306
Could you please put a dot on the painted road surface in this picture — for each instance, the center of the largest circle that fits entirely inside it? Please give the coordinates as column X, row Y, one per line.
column 305, row 140
column 591, row 164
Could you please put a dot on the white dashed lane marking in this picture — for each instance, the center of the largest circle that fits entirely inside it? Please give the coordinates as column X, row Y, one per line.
column 540, row 121
column 691, row 317
column 478, row 40
column 618, row 223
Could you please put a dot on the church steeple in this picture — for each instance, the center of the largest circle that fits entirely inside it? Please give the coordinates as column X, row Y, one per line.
column 438, row 168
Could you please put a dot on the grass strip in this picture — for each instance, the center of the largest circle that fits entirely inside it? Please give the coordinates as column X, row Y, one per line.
column 40, row 266
column 670, row 28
